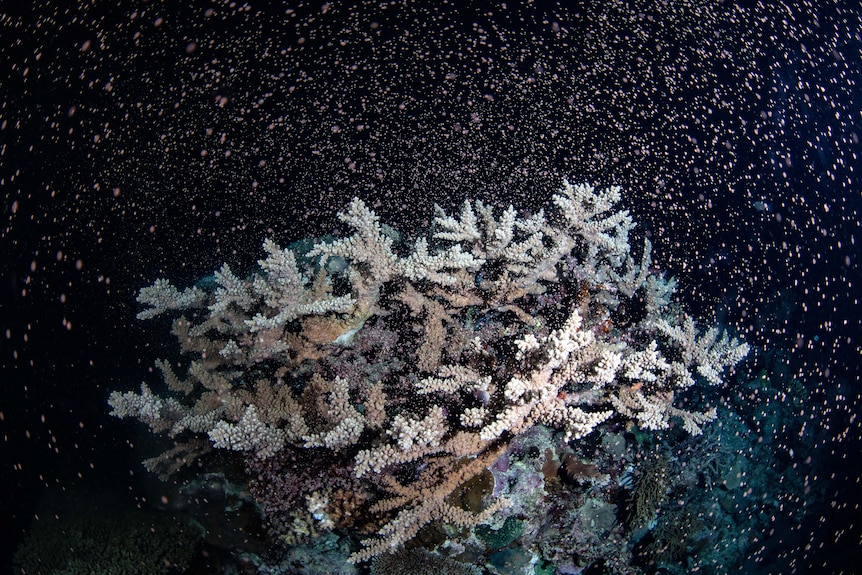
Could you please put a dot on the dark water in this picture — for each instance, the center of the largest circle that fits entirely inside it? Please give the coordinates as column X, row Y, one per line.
column 146, row 141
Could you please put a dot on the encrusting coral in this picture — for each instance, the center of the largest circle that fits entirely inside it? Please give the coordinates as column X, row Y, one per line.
column 501, row 322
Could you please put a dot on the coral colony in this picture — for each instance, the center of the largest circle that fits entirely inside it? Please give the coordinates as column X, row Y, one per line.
column 373, row 382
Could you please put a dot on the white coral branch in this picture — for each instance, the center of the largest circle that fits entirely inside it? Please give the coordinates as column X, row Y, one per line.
column 162, row 296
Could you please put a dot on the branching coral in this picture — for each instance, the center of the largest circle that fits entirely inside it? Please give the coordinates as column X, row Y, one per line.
column 497, row 323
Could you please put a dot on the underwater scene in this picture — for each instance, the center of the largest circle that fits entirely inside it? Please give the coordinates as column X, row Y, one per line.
column 443, row 287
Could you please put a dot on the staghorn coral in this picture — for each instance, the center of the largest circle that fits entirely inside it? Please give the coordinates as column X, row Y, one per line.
column 494, row 324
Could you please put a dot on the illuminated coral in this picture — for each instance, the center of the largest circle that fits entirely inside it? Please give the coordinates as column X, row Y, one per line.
column 485, row 344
